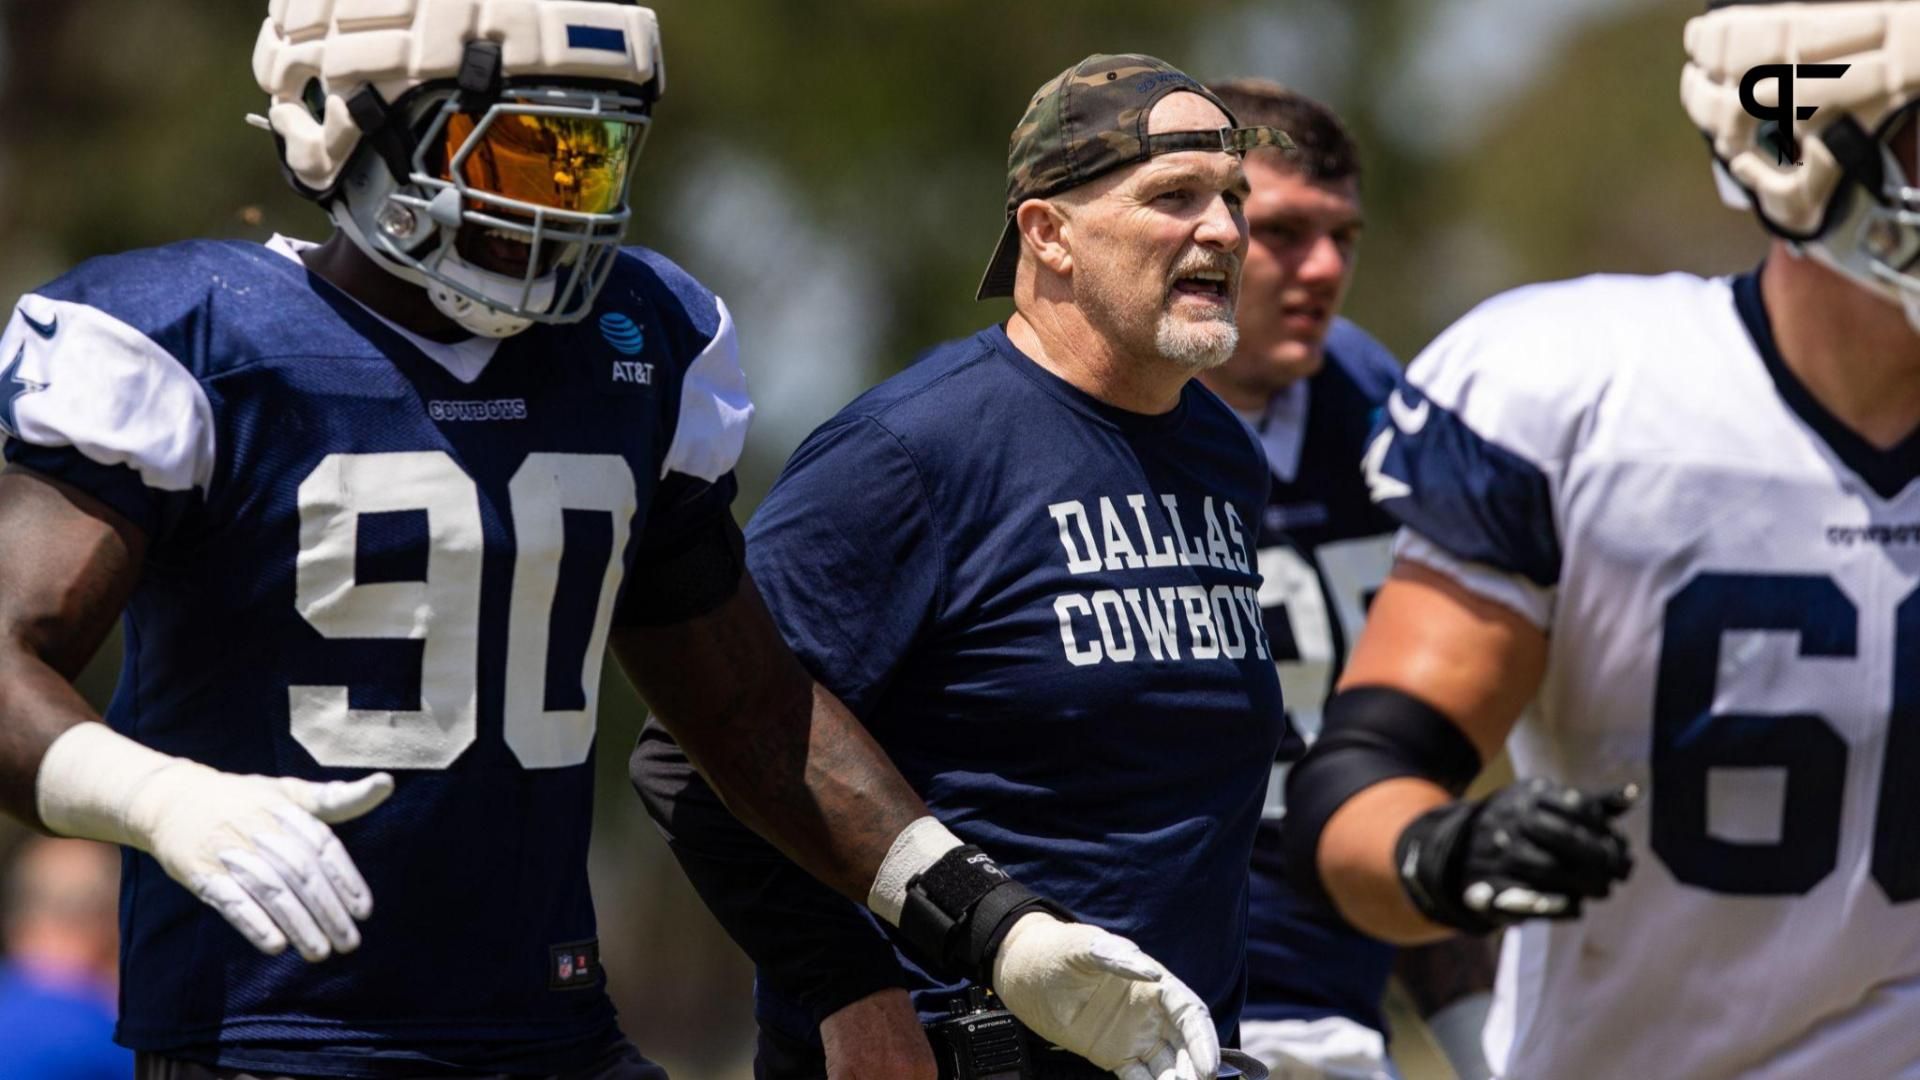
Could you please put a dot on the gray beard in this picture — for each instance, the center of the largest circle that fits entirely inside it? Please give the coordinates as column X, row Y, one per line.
column 1195, row 347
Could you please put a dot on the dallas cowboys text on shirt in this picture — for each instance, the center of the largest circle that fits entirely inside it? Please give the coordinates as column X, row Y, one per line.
column 1123, row 625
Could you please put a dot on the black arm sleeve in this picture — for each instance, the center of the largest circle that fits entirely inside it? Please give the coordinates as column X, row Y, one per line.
column 808, row 942
column 690, row 559
column 1371, row 734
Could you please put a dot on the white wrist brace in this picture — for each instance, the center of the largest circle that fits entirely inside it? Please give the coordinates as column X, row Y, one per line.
column 918, row 846
column 91, row 779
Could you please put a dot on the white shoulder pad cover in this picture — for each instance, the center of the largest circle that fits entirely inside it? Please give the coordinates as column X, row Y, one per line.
column 1482, row 426
column 72, row 375
column 715, row 410
column 1524, row 368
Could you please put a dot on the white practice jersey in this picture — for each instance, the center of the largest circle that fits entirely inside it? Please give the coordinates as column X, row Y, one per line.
column 1729, row 580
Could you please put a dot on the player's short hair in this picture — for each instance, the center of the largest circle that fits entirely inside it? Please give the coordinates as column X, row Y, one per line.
column 1325, row 152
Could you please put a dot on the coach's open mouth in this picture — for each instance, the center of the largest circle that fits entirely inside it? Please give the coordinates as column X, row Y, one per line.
column 1207, row 285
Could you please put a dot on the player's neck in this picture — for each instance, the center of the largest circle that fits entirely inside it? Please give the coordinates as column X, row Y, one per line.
column 1238, row 396
column 344, row 266
column 1244, row 394
column 1059, row 338
column 1854, row 352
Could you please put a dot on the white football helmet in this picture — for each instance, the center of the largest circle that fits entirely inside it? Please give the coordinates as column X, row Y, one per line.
column 478, row 148
column 1828, row 179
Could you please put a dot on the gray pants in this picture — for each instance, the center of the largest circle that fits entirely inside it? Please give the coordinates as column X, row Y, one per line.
column 623, row 1062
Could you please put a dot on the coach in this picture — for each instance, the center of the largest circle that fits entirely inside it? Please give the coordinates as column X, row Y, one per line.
column 1028, row 564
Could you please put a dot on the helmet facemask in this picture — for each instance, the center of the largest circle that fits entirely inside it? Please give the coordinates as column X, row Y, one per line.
column 1872, row 234
column 508, row 216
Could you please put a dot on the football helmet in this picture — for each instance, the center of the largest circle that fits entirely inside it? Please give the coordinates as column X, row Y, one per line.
column 480, row 149
column 1835, row 176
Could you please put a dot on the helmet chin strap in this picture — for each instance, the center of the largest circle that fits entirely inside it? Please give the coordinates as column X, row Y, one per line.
column 472, row 315
column 477, row 317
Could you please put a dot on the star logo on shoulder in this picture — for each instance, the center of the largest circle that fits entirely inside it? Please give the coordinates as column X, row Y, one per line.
column 12, row 388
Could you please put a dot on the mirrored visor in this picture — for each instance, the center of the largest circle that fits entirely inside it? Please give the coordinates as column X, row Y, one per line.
column 575, row 163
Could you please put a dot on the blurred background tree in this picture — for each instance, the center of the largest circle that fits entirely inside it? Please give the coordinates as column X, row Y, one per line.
column 836, row 170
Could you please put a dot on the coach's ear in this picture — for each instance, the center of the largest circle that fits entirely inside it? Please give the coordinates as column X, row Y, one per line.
column 1046, row 234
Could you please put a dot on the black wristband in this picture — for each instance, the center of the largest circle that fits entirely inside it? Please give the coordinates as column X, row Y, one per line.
column 994, row 916
column 959, row 910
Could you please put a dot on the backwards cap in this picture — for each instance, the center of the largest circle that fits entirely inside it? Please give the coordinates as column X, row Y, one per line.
column 1088, row 121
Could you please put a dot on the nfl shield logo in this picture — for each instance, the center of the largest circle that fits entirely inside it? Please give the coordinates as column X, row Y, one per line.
column 569, row 966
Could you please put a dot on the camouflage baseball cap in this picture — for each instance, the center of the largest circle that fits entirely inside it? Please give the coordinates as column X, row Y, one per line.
column 1090, row 120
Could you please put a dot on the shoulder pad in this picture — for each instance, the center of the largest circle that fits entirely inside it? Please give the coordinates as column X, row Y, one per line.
column 196, row 301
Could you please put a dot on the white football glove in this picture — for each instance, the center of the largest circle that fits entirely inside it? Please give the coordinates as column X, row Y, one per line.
column 255, row 848
column 1095, row 993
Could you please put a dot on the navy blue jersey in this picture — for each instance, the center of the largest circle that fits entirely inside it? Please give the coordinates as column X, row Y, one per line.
column 1045, row 610
column 1324, row 550
column 362, row 560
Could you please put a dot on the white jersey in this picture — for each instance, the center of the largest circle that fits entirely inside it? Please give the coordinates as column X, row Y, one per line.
column 1728, row 579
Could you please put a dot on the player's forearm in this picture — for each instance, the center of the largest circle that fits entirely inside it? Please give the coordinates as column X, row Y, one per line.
column 811, row 779
column 806, row 775
column 1356, row 860
column 37, row 705
column 805, row 940
column 71, row 563
column 783, row 753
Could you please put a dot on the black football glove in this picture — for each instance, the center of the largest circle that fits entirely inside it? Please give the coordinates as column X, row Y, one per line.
column 1533, row 849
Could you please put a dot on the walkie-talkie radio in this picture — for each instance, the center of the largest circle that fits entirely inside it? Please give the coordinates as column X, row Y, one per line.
column 980, row 1041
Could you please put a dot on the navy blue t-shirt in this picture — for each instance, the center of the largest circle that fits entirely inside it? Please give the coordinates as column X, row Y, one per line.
column 359, row 559
column 1325, row 548
column 1045, row 609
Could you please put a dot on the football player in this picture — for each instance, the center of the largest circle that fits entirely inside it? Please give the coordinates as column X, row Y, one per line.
column 1664, row 533
column 1309, row 383
column 374, row 510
